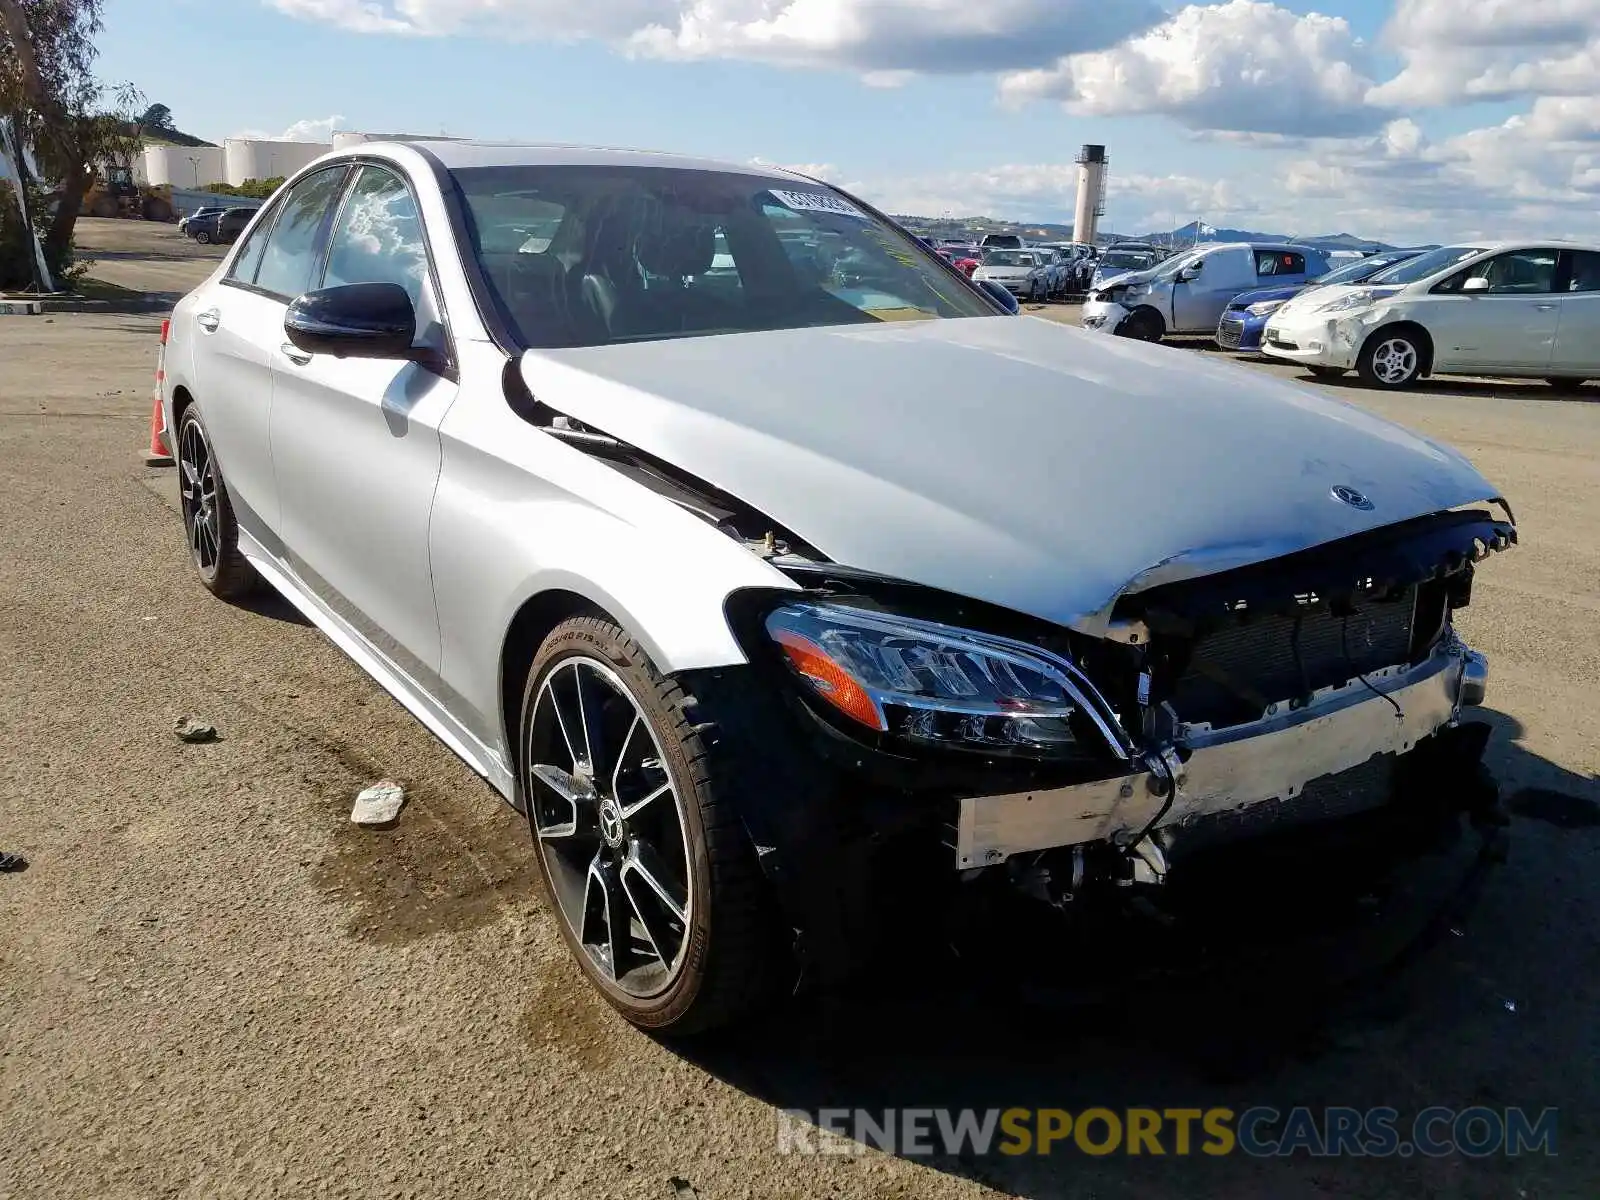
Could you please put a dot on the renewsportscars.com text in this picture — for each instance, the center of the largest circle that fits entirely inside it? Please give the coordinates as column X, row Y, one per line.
column 1259, row 1131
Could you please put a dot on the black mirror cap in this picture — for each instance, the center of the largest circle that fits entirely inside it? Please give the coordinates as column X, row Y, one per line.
column 354, row 320
column 1000, row 294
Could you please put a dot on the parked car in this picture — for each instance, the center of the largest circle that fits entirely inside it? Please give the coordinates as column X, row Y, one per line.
column 1114, row 264
column 222, row 227
column 202, row 213
column 1518, row 309
column 1244, row 321
column 1189, row 293
column 777, row 641
column 1048, row 279
column 1012, row 269
column 1001, row 241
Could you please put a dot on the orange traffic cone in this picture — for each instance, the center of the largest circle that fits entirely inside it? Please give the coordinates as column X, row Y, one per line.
column 158, row 455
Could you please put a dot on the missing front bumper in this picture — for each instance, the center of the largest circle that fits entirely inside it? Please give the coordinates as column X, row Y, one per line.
column 1233, row 769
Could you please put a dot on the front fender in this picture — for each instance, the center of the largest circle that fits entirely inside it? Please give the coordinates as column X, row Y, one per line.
column 519, row 513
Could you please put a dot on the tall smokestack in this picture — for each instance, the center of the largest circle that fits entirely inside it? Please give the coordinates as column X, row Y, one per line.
column 1092, row 163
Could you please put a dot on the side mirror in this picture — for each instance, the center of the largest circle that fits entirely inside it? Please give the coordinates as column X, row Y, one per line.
column 1477, row 283
column 1189, row 274
column 1000, row 294
column 355, row 320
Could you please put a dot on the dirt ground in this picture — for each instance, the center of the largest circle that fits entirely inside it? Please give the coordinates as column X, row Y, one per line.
column 211, row 985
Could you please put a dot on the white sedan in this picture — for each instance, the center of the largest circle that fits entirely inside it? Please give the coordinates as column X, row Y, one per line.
column 1529, row 309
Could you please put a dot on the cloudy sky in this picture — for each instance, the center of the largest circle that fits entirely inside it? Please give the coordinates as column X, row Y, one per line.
column 1400, row 119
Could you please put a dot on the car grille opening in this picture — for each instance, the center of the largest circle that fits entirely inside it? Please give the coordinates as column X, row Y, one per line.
column 1234, row 672
column 1231, row 331
column 1281, row 342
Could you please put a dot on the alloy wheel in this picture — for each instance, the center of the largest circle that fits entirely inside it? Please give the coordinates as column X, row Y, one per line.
column 610, row 824
column 1394, row 361
column 197, row 491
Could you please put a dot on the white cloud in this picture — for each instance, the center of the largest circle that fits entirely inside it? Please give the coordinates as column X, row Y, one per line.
column 312, row 129
column 883, row 38
column 1491, row 50
column 1245, row 65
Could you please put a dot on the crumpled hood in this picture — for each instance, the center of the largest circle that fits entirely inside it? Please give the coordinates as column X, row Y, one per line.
column 1008, row 459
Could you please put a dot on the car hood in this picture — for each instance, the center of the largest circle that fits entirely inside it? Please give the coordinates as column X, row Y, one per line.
column 1012, row 460
column 1262, row 295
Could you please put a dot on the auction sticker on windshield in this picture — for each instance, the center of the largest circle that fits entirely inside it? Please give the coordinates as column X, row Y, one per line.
column 818, row 202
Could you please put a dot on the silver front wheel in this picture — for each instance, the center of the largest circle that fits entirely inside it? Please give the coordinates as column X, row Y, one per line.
column 610, row 825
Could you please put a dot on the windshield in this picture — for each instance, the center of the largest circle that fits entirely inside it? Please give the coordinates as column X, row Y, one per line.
column 1425, row 265
column 1007, row 258
column 1361, row 269
column 1176, row 263
column 594, row 255
column 1128, row 260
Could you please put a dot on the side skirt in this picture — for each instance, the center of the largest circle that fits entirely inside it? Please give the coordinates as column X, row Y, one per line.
column 398, row 683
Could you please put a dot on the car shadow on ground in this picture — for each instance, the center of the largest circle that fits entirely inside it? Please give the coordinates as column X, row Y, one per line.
column 1283, row 986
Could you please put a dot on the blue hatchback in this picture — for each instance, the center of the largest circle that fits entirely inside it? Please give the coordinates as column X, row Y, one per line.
column 1245, row 318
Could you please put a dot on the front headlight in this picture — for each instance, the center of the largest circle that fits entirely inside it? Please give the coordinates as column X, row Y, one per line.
column 1265, row 308
column 934, row 684
column 1346, row 303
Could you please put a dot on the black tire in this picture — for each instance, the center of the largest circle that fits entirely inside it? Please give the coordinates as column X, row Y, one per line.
column 1327, row 372
column 208, row 520
column 1563, row 383
column 1392, row 359
column 203, row 237
column 1143, row 325
column 725, row 946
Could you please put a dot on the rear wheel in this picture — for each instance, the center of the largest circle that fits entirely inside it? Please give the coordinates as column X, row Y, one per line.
column 1563, row 383
column 208, row 520
column 1392, row 358
column 646, row 862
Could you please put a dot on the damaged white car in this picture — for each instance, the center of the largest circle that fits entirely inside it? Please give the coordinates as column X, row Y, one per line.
column 755, row 582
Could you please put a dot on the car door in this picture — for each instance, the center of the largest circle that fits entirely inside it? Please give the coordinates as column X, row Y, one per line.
column 1198, row 303
column 1577, row 349
column 1507, row 322
column 239, row 325
column 355, row 441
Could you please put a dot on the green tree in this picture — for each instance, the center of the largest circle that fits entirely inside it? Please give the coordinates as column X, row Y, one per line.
column 75, row 125
column 157, row 116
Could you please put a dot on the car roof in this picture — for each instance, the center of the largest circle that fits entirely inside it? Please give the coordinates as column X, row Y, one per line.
column 458, row 155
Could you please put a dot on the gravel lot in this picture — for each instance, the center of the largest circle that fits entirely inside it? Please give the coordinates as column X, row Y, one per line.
column 212, row 985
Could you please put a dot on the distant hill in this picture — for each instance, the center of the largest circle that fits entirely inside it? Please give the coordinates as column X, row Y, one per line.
column 1184, row 235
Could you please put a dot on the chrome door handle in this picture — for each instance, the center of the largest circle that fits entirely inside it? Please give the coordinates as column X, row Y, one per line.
column 209, row 320
column 1545, row 307
column 294, row 354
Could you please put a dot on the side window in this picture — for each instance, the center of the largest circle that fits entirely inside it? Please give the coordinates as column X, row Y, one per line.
column 1270, row 263
column 378, row 237
column 1521, row 272
column 290, row 260
column 246, row 262
column 1585, row 271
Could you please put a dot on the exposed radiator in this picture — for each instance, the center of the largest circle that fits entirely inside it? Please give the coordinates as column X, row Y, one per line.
column 1234, row 672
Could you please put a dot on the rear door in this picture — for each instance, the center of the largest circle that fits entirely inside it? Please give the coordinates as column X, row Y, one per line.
column 1510, row 326
column 1577, row 349
column 238, row 327
column 355, row 441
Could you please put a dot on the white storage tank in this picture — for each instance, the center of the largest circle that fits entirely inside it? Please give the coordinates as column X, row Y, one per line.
column 184, row 166
column 249, row 158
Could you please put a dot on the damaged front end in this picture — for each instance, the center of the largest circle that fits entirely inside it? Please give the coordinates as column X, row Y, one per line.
column 1306, row 689
column 1309, row 689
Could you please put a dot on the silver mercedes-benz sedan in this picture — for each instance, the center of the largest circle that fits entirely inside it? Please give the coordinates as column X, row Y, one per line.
column 761, row 559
